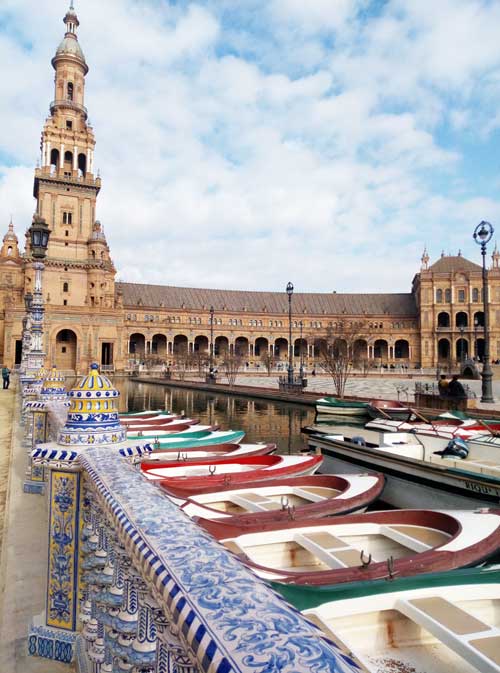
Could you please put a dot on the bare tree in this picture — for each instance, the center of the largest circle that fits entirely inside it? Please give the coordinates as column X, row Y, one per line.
column 232, row 365
column 268, row 361
column 200, row 360
column 340, row 350
column 182, row 362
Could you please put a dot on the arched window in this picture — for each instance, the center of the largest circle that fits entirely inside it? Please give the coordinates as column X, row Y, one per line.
column 54, row 160
column 70, row 90
column 9, row 251
column 65, row 287
column 447, row 296
column 82, row 165
column 439, row 296
column 443, row 319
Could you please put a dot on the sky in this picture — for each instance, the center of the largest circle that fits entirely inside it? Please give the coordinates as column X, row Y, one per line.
column 247, row 143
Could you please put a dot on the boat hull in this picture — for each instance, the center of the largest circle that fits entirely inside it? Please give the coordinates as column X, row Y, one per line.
column 410, row 484
column 338, row 411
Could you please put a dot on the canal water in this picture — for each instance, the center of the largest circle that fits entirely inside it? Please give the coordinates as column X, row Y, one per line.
column 262, row 420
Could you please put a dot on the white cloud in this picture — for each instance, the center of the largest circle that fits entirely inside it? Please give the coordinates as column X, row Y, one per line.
column 243, row 146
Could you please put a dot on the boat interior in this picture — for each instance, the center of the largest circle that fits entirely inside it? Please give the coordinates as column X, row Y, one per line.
column 481, row 458
column 332, row 547
column 432, row 630
column 264, row 499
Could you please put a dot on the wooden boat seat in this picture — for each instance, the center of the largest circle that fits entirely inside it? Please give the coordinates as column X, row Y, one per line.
column 332, row 551
column 418, row 538
column 315, row 493
column 457, row 629
column 253, row 502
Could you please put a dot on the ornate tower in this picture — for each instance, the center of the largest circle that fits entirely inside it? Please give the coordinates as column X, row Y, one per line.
column 65, row 186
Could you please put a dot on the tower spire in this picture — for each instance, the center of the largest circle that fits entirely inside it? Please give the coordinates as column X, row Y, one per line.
column 425, row 260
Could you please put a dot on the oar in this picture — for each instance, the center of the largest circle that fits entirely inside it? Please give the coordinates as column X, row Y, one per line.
column 495, row 433
column 420, row 416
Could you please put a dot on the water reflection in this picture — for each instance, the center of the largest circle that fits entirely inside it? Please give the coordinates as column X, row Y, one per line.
column 262, row 421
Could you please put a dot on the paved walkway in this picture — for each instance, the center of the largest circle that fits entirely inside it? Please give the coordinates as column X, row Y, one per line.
column 389, row 388
column 23, row 560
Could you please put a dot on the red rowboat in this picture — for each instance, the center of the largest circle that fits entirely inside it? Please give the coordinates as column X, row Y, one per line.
column 370, row 546
column 283, row 499
column 182, row 479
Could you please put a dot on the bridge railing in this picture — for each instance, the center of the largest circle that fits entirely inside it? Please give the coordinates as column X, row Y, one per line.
column 135, row 585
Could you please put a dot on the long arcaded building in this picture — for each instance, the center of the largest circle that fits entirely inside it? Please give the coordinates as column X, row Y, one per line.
column 91, row 317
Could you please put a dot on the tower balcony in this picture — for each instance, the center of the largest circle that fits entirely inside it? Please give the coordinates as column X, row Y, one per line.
column 70, row 105
column 65, row 177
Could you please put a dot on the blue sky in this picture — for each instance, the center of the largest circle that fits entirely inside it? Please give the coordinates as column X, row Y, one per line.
column 245, row 144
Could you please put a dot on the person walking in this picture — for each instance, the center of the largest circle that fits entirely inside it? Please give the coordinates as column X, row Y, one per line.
column 6, row 377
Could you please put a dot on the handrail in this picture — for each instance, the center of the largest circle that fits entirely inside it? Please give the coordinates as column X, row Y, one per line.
column 62, row 102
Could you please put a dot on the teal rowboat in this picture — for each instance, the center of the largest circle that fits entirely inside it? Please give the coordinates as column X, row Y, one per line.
column 338, row 407
column 304, row 597
column 187, row 440
column 442, row 623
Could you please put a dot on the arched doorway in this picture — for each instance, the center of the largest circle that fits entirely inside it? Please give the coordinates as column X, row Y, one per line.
column 201, row 344
column 180, row 344
column 137, row 345
column 241, row 347
column 159, row 345
column 261, row 347
column 461, row 319
column 281, row 349
column 320, row 347
column 402, row 349
column 360, row 351
column 221, row 346
column 65, row 355
column 381, row 350
column 462, row 349
column 443, row 349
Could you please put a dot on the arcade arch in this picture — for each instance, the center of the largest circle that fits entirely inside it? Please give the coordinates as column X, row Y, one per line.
column 65, row 350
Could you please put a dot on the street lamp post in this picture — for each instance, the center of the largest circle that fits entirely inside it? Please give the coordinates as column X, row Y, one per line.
column 482, row 235
column 39, row 237
column 211, row 365
column 301, row 370
column 289, row 291
column 26, row 342
column 476, row 350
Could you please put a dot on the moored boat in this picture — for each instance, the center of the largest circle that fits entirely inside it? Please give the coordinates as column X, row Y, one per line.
column 183, row 479
column 197, row 439
column 312, row 496
column 340, row 407
column 361, row 547
column 165, row 432
column 163, row 428
column 415, row 473
column 222, row 451
column 144, row 414
column 389, row 408
column 431, row 627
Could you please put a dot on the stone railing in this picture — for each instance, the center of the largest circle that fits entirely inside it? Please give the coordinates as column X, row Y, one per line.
column 135, row 585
